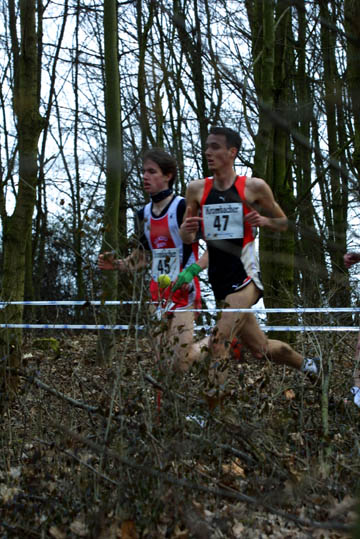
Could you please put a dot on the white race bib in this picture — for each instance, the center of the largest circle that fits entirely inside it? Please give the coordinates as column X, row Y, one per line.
column 165, row 262
column 223, row 221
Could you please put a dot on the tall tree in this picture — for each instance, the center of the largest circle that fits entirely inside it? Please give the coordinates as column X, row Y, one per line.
column 143, row 31
column 310, row 248
column 352, row 27
column 17, row 226
column 270, row 27
column 262, row 24
column 114, row 164
column 336, row 213
column 192, row 47
column 280, row 284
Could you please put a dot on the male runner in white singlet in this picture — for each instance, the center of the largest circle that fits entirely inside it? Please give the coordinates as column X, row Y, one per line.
column 158, row 226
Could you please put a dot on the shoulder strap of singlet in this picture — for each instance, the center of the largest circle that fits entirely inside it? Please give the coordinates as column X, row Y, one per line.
column 176, row 200
column 207, row 188
column 147, row 210
column 240, row 187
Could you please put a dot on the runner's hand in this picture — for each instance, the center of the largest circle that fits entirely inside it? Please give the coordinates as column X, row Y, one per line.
column 186, row 276
column 255, row 219
column 107, row 261
column 190, row 223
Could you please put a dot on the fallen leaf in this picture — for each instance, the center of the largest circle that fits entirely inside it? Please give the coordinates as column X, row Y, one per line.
column 238, row 529
column 56, row 533
column 289, row 394
column 347, row 504
column 110, row 532
column 15, row 472
column 7, row 493
column 234, row 469
column 180, row 534
column 79, row 528
column 128, row 530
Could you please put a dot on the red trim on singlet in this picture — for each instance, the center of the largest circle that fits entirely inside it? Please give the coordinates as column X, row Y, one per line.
column 240, row 187
column 209, row 182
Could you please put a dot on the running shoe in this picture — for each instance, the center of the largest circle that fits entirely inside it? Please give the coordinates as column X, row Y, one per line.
column 355, row 391
column 311, row 365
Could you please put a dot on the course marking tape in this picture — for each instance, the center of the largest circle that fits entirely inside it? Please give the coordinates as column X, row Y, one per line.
column 127, row 327
column 84, row 303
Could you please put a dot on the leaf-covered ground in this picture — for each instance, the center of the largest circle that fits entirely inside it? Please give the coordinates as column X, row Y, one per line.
column 133, row 451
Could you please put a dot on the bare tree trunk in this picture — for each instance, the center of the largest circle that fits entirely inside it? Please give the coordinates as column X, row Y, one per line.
column 192, row 47
column 272, row 143
column 17, row 228
column 143, row 36
column 106, row 340
column 77, row 228
column 310, row 251
column 41, row 221
column 262, row 24
column 352, row 26
column 338, row 205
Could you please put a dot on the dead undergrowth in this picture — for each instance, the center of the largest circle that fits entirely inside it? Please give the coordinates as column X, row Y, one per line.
column 132, row 451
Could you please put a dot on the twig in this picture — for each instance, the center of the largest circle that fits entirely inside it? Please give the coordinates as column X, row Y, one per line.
column 226, row 447
column 19, row 529
column 46, row 387
column 73, row 456
column 157, row 385
column 153, row 382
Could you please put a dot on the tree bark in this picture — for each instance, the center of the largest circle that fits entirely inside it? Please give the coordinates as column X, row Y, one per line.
column 106, row 340
column 192, row 47
column 337, row 216
column 352, row 27
column 17, row 227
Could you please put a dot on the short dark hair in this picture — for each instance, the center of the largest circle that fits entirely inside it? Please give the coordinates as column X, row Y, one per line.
column 164, row 160
column 233, row 139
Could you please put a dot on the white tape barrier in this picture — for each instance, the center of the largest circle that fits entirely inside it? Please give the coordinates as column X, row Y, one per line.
column 116, row 327
column 84, row 303
column 125, row 327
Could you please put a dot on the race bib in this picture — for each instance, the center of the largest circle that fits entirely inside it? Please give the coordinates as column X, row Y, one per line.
column 223, row 221
column 166, row 262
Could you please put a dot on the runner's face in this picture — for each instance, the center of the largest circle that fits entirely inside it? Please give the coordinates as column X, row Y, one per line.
column 154, row 178
column 218, row 155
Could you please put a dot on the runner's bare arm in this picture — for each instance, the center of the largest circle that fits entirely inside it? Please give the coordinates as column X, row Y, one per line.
column 266, row 211
column 191, row 221
column 136, row 260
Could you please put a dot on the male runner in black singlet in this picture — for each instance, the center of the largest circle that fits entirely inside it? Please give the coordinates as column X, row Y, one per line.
column 227, row 207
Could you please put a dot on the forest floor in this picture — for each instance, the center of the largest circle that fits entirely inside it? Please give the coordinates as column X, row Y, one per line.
column 98, row 451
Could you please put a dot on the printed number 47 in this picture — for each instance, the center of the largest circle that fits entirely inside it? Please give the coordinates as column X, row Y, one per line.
column 217, row 222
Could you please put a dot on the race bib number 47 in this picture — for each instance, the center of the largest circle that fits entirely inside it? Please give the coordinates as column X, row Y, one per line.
column 223, row 221
column 165, row 261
